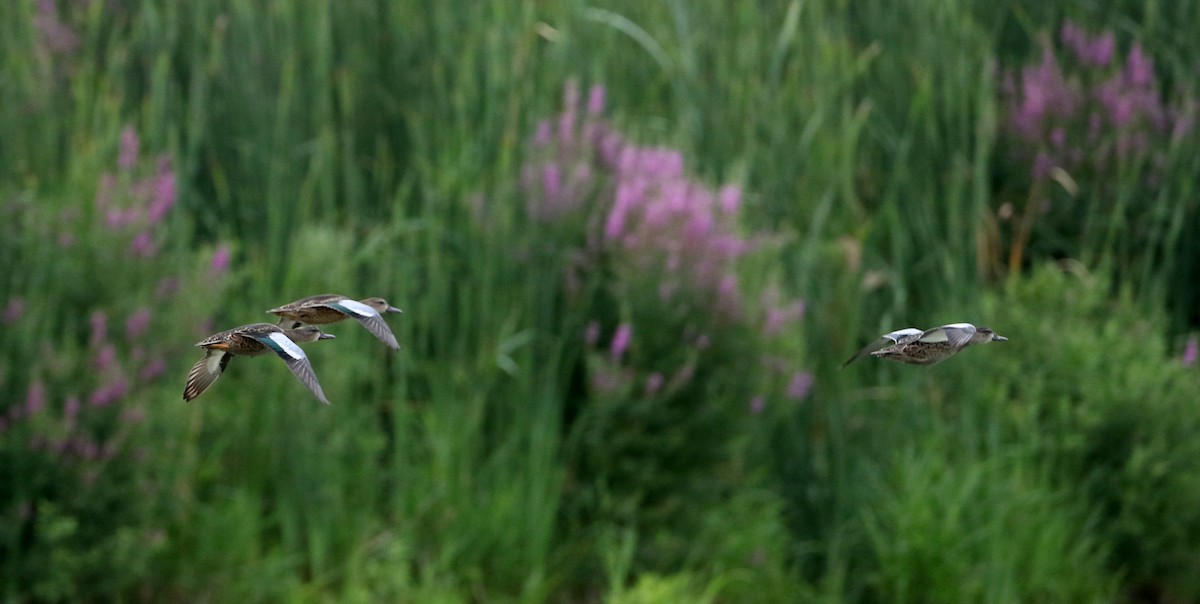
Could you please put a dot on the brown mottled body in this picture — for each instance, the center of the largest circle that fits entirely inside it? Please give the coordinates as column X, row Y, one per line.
column 254, row 340
column 916, row 347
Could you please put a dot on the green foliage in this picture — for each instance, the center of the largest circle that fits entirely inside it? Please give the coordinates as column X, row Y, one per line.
column 991, row 531
column 1114, row 415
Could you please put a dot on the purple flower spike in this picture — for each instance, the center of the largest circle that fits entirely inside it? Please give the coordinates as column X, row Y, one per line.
column 757, row 405
column 143, row 245
column 1102, row 50
column 800, row 385
column 1139, row 68
column 654, row 383
column 731, row 199
column 620, row 341
column 1190, row 351
column 106, row 358
column 596, row 100
column 58, row 37
column 109, row 394
column 542, row 135
column 552, row 183
column 137, row 323
column 220, row 260
column 164, row 197
column 128, row 154
column 152, row 370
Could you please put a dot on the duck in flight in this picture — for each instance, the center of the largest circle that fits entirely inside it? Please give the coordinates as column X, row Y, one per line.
column 926, row 347
column 323, row 309
column 254, row 340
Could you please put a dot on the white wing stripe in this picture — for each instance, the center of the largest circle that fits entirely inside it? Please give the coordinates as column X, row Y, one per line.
column 357, row 308
column 900, row 333
column 287, row 345
column 959, row 326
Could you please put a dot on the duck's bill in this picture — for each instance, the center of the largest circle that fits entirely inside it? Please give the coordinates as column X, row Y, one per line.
column 1000, row 339
column 326, row 336
column 394, row 309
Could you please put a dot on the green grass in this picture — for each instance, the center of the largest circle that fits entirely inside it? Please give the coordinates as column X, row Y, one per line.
column 376, row 148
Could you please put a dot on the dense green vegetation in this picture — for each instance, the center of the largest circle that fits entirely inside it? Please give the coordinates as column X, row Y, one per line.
column 633, row 242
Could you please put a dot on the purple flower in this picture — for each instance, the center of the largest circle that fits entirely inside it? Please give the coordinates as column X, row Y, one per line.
column 620, row 341
column 128, row 155
column 758, row 404
column 143, row 245
column 731, row 199
column 1089, row 51
column 1043, row 165
column 13, row 310
column 1045, row 95
column 596, row 100
column 1190, row 351
column 220, row 260
column 543, row 133
column 779, row 317
column 106, row 358
column 137, row 323
column 615, row 225
column 87, row 448
column 1139, row 68
column 800, row 385
column 164, row 197
column 551, row 182
column 58, row 37
column 152, row 370
column 109, row 393
column 35, row 400
column 654, row 383
column 591, row 333
column 116, row 218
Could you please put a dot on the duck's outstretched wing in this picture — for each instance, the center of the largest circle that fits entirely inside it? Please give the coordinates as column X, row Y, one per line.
column 956, row 335
column 205, row 372
column 887, row 339
column 369, row 317
column 296, row 360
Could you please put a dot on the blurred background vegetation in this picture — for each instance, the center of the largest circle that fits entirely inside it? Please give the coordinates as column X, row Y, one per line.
column 633, row 242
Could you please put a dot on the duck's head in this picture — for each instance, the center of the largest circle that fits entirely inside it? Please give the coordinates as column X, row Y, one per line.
column 985, row 334
column 380, row 305
column 308, row 333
